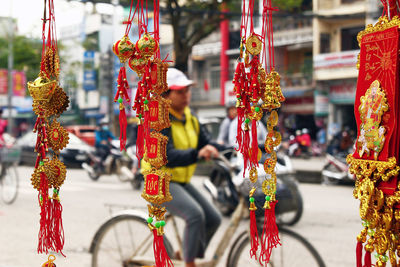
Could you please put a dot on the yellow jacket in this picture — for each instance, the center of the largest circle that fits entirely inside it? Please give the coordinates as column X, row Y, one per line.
column 184, row 135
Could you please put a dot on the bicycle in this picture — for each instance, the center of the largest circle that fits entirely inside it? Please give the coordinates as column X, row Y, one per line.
column 9, row 180
column 125, row 240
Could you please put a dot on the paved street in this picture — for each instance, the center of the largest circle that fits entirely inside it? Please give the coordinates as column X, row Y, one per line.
column 330, row 220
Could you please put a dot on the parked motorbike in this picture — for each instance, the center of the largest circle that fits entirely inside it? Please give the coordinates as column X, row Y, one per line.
column 336, row 169
column 227, row 178
column 117, row 162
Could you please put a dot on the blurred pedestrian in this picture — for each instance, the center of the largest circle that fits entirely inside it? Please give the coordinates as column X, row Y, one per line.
column 231, row 114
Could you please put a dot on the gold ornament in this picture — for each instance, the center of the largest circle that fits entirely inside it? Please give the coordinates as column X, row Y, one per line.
column 59, row 172
column 42, row 88
column 156, row 186
column 124, row 49
column 373, row 105
column 253, row 44
column 146, row 46
column 156, row 149
column 159, row 76
column 159, row 112
column 57, row 136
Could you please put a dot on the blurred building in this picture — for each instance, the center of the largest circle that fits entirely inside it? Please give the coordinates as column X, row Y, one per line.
column 335, row 26
column 293, row 41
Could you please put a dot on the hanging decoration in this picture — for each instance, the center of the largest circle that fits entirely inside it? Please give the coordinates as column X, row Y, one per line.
column 375, row 159
column 256, row 90
column 152, row 111
column 50, row 261
column 49, row 101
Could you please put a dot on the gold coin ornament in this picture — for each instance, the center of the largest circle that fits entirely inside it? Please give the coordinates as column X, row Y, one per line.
column 253, row 44
column 258, row 95
column 49, row 101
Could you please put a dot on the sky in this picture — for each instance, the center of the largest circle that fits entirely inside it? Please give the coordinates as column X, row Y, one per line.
column 29, row 13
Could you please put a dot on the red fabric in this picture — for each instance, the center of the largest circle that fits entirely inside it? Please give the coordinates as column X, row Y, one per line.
column 253, row 235
column 359, row 254
column 206, row 87
column 44, row 244
column 122, row 126
column 379, row 61
column 160, row 254
column 57, row 226
column 270, row 236
column 367, row 259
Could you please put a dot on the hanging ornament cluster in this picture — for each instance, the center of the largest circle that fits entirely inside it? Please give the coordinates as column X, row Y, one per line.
column 258, row 91
column 49, row 101
column 152, row 110
column 375, row 159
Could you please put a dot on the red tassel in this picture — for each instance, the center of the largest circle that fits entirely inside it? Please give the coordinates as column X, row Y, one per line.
column 44, row 232
column 140, row 143
column 58, row 229
column 270, row 236
column 359, row 254
column 160, row 254
column 253, row 235
column 122, row 127
column 254, row 144
column 245, row 151
column 239, row 136
column 367, row 259
column 146, row 124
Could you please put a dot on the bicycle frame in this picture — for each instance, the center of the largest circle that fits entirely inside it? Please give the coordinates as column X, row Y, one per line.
column 218, row 253
column 225, row 240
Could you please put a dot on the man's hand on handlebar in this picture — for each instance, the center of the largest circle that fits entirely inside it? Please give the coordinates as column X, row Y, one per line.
column 208, row 152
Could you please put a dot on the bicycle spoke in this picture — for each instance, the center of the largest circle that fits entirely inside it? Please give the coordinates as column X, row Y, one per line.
column 9, row 184
column 123, row 240
column 295, row 251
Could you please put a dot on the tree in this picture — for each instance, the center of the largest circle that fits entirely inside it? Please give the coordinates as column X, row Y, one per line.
column 194, row 21
column 27, row 55
column 287, row 5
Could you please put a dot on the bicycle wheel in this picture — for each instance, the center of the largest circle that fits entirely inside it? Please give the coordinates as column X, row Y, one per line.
column 292, row 216
column 9, row 183
column 124, row 240
column 295, row 251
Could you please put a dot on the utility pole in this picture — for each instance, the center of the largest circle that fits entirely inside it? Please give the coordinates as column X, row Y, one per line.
column 10, row 69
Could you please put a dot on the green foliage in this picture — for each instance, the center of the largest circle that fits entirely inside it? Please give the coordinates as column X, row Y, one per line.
column 27, row 55
column 287, row 5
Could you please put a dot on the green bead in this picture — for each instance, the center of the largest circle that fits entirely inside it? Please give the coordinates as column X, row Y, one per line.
column 120, row 100
column 55, row 191
column 251, row 199
column 149, row 220
column 157, row 224
column 140, row 116
column 267, row 198
column 371, row 232
column 41, row 198
column 162, row 223
column 257, row 109
column 239, row 97
column 41, row 163
column 146, row 102
column 247, row 120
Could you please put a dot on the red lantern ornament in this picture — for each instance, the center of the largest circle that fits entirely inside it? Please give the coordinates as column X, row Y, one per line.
column 123, row 49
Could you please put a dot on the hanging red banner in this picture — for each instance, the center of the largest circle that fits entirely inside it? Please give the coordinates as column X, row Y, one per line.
column 3, row 82
column 19, row 82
